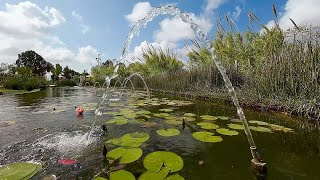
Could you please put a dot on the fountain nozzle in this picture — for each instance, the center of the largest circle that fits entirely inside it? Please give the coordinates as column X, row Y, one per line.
column 257, row 163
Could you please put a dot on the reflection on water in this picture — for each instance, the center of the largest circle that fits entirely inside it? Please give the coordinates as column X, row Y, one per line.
column 45, row 135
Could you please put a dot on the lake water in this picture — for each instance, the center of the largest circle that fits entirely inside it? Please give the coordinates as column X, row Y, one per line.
column 31, row 130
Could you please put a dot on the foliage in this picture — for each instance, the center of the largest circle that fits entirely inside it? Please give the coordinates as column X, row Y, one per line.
column 34, row 61
column 100, row 72
column 24, row 82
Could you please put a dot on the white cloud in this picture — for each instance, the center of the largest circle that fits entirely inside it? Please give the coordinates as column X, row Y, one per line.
column 302, row 12
column 139, row 11
column 213, row 5
column 173, row 29
column 236, row 13
column 84, row 28
column 25, row 26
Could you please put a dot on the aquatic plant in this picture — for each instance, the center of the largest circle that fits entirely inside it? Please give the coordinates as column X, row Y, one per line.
column 19, row 170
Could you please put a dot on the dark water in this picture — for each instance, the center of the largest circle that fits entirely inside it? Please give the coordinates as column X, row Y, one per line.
column 43, row 135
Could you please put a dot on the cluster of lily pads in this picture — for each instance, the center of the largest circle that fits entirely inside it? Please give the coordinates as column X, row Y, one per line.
column 164, row 165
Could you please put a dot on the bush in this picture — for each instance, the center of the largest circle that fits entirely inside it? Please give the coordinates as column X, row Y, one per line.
column 24, row 83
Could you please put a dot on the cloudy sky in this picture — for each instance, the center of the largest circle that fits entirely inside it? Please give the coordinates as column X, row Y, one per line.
column 72, row 32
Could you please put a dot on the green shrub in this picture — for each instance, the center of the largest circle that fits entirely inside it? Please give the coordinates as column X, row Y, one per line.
column 24, row 83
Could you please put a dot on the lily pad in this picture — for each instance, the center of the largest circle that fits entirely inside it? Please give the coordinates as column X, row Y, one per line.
column 208, row 117
column 168, row 132
column 162, row 115
column 173, row 122
column 100, row 178
column 227, row 132
column 148, row 124
column 143, row 112
column 161, row 175
column 222, row 117
column 206, row 137
column 19, row 171
column 260, row 129
column 174, row 177
column 156, row 160
column 189, row 115
column 205, row 125
column 260, row 123
column 165, row 110
column 118, row 121
column 280, row 128
column 126, row 155
column 121, row 175
column 236, row 126
column 189, row 119
column 130, row 140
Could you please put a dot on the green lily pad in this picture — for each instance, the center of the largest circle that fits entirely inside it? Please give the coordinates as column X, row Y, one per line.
column 260, row 123
column 19, row 170
column 111, row 113
column 222, row 117
column 121, row 175
column 165, row 110
column 155, row 175
column 236, row 120
column 168, row 132
column 227, row 132
column 280, row 128
column 130, row 140
column 189, row 115
column 189, row 119
column 143, row 112
column 174, row 177
column 236, row 126
column 126, row 155
column 156, row 160
column 260, row 129
column 155, row 104
column 173, row 122
column 162, row 115
column 209, row 118
column 148, row 124
column 118, row 121
column 205, row 125
column 100, row 178
column 206, row 137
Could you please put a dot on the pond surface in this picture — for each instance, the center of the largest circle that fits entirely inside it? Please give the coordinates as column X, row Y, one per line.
column 31, row 130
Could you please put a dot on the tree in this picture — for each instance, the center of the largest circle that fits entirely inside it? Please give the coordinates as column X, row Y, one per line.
column 108, row 63
column 69, row 73
column 33, row 60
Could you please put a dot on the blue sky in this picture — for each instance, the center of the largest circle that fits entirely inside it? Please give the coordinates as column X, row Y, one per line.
column 72, row 32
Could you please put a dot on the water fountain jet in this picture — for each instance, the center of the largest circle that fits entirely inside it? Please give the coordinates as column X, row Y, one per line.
column 185, row 17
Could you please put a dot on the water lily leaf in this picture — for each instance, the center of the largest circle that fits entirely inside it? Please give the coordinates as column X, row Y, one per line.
column 173, row 122
column 260, row 123
column 130, row 140
column 155, row 175
column 280, row 128
column 100, row 178
column 111, row 113
column 126, row 155
column 121, row 175
column 189, row 115
column 168, row 132
column 206, row 137
column 189, row 119
column 260, row 129
column 236, row 126
column 154, row 161
column 148, row 124
column 155, row 104
column 205, row 125
column 19, row 171
column 118, row 121
column 143, row 112
column 165, row 110
column 208, row 117
column 162, row 115
column 174, row 177
column 222, row 117
column 236, row 120
column 227, row 132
